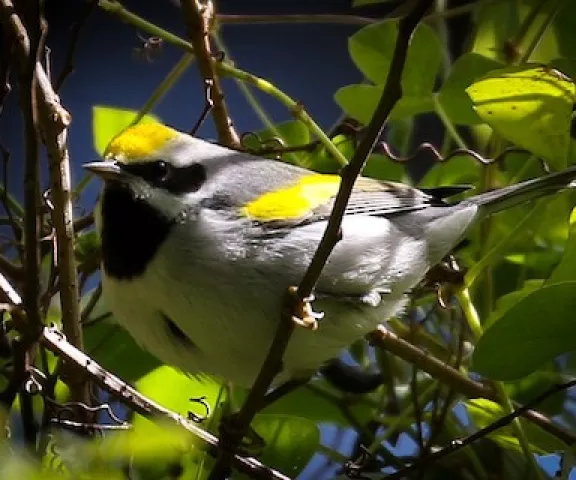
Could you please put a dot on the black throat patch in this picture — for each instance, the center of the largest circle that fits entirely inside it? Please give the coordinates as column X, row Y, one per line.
column 132, row 232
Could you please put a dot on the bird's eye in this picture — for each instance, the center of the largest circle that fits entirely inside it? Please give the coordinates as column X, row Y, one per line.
column 160, row 171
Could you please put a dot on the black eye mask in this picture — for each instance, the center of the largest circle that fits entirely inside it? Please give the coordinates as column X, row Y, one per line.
column 161, row 174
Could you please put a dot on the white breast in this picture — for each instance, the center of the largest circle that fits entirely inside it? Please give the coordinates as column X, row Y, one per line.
column 224, row 290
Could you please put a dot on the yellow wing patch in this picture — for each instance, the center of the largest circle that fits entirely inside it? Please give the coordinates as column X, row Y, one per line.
column 140, row 141
column 295, row 201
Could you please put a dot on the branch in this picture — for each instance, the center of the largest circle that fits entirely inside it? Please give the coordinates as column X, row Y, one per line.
column 198, row 15
column 450, row 376
column 26, row 51
column 239, row 423
column 8, row 292
column 296, row 304
column 52, row 121
column 456, row 445
column 114, row 7
column 56, row 342
column 391, row 94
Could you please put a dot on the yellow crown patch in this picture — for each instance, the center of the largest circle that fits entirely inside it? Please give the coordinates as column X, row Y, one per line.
column 140, row 141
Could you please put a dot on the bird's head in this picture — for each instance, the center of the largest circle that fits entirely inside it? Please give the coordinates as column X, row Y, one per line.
column 156, row 164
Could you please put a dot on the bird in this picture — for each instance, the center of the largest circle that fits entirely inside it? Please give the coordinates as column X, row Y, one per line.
column 201, row 242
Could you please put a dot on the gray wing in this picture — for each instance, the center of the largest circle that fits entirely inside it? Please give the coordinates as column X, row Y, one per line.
column 378, row 198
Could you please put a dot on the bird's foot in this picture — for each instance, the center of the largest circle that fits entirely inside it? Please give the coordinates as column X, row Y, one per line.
column 304, row 315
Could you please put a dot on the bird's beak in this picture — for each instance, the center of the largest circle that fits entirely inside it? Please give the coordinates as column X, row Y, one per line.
column 107, row 170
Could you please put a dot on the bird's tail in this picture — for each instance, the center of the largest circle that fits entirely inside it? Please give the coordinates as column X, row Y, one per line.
column 503, row 198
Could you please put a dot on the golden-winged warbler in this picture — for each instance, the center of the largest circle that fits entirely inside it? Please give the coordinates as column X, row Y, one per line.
column 200, row 244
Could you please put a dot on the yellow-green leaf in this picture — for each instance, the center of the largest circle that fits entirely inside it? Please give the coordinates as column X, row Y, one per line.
column 107, row 122
column 529, row 106
column 485, row 412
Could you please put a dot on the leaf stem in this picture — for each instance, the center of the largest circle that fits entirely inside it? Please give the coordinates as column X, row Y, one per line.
column 165, row 85
column 254, row 103
column 224, row 68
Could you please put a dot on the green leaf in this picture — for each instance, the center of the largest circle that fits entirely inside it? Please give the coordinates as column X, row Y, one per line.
column 529, row 106
column 465, row 70
column 173, row 389
column 87, row 251
column 107, row 122
column 566, row 269
column 360, row 101
column 372, row 48
column 291, row 133
column 566, row 34
column 528, row 388
column 506, row 302
column 460, row 169
column 290, row 441
column 485, row 412
column 496, row 23
column 535, row 330
column 320, row 160
column 383, row 168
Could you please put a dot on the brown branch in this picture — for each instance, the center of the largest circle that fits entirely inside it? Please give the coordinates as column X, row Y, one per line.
column 26, row 50
column 236, row 426
column 391, row 94
column 198, row 15
column 52, row 120
column 450, row 376
column 56, row 342
column 296, row 304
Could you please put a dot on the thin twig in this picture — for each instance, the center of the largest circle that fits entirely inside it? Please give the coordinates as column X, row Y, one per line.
column 26, row 52
column 52, row 121
column 458, row 444
column 89, row 308
column 391, row 94
column 56, row 342
column 198, row 15
column 450, row 376
column 295, row 303
column 225, row 68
